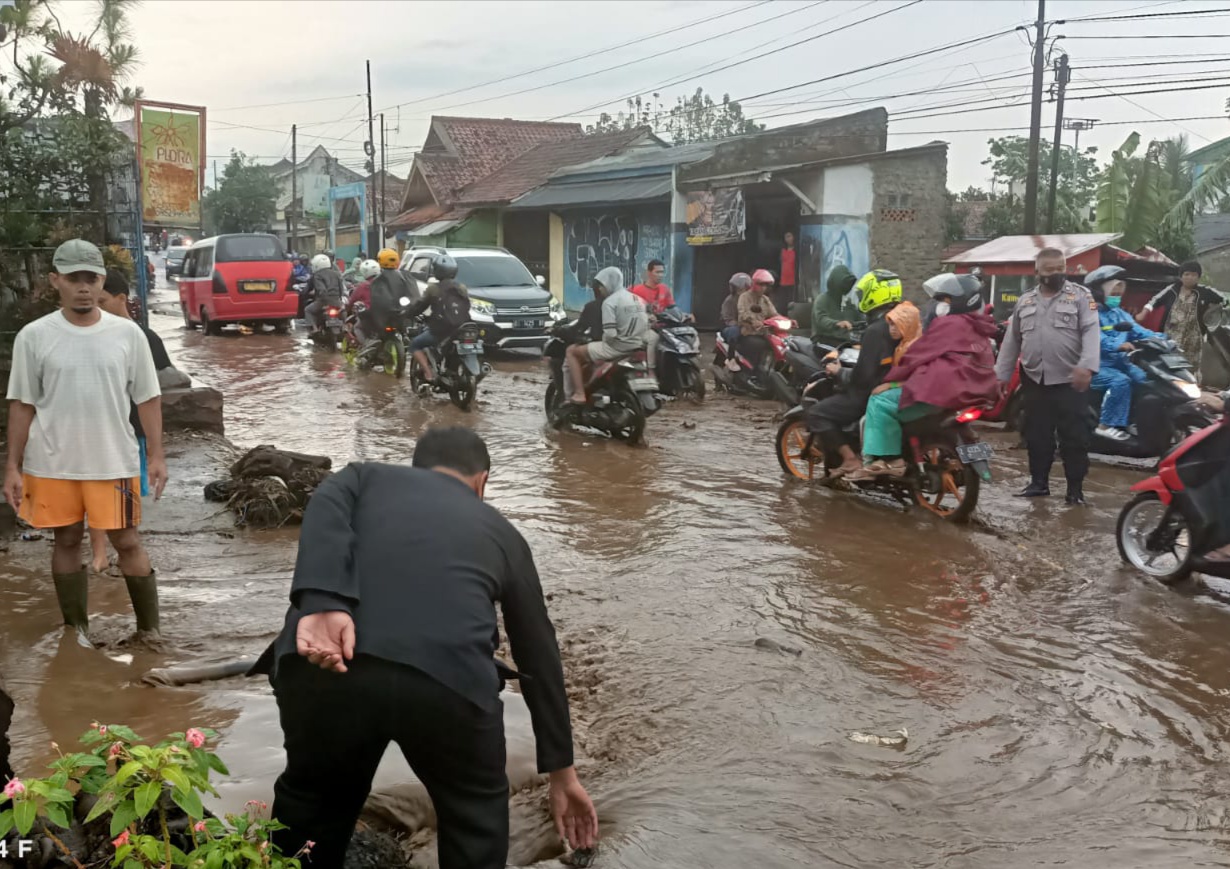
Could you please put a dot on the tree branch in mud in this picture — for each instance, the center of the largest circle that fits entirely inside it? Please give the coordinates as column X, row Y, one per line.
column 269, row 488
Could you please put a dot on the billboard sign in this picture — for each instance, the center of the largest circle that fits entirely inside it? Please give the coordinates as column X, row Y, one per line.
column 171, row 148
column 716, row 216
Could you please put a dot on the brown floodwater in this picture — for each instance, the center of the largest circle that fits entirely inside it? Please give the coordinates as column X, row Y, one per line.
column 1060, row 709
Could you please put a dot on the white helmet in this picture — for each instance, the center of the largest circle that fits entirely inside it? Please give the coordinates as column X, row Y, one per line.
column 320, row 262
column 369, row 268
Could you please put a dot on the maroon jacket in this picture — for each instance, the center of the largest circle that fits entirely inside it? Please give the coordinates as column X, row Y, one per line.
column 951, row 366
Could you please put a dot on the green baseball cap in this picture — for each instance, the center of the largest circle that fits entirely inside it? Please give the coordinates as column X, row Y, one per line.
column 78, row 255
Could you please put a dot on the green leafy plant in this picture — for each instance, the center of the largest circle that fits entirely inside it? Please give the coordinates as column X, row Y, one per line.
column 128, row 781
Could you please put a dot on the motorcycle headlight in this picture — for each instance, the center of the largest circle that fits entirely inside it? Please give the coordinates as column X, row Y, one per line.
column 556, row 309
column 1188, row 388
column 482, row 306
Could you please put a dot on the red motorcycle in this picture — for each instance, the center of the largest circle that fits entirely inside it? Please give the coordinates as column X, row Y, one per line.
column 1179, row 517
column 735, row 373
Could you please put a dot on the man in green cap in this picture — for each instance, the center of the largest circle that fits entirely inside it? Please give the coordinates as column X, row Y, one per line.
column 833, row 315
column 72, row 451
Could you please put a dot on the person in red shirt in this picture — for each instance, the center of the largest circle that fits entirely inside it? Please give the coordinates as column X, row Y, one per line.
column 653, row 292
column 787, row 274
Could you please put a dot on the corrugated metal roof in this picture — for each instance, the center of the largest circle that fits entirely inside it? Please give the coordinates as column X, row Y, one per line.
column 1024, row 248
column 641, row 158
column 557, row 195
column 440, row 226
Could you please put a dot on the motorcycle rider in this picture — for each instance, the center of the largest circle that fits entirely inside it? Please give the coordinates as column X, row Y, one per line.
column 450, row 308
column 365, row 328
column 388, row 288
column 754, row 308
column 352, row 274
column 326, row 288
column 1116, row 374
column 833, row 315
column 879, row 293
column 625, row 330
column 740, row 282
column 302, row 272
column 950, row 367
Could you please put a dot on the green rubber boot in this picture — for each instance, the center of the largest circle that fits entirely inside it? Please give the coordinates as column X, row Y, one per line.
column 73, row 593
column 143, row 592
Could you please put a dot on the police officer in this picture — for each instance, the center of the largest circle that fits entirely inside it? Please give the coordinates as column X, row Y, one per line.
column 1054, row 333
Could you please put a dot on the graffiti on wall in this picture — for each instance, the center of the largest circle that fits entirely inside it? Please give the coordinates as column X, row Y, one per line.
column 594, row 242
column 847, row 244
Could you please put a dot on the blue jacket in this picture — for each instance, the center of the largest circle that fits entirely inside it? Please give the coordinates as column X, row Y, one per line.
column 1112, row 340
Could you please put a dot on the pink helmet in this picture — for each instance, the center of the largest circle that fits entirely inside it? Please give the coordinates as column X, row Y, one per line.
column 763, row 276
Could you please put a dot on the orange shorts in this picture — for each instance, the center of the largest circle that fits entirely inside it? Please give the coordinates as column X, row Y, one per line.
column 111, row 504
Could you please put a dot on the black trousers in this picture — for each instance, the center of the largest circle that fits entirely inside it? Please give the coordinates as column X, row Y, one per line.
column 1051, row 410
column 336, row 728
column 829, row 417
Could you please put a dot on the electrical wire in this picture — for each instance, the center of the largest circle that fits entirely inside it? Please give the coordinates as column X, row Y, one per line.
column 1133, row 102
column 788, row 47
column 1188, row 14
column 707, row 68
column 639, row 60
column 288, row 103
column 587, row 56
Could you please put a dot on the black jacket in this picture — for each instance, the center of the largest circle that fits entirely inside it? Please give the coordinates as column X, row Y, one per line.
column 327, row 285
column 420, row 561
column 875, row 358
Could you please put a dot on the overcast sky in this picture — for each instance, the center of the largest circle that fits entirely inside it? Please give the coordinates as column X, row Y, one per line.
column 258, row 63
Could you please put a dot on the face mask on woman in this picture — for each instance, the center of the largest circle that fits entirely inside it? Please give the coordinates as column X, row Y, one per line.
column 942, row 309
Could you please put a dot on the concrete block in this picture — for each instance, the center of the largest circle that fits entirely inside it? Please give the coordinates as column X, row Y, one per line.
column 193, row 408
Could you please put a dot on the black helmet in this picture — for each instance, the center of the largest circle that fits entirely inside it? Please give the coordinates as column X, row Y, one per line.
column 444, row 268
column 329, row 252
column 964, row 292
column 1096, row 280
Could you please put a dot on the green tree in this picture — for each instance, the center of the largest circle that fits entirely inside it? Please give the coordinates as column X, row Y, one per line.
column 695, row 118
column 1142, row 197
column 245, row 200
column 1078, row 179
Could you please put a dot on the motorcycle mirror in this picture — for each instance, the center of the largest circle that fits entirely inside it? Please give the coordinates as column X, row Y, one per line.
column 540, row 280
column 404, row 301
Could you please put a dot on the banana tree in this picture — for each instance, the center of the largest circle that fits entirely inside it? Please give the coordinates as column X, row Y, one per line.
column 1115, row 187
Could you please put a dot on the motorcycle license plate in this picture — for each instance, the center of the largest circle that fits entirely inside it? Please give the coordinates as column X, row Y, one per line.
column 979, row 452
column 335, row 325
column 644, row 382
column 467, row 349
column 529, row 324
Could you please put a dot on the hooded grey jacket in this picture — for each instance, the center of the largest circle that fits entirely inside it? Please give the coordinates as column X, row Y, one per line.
column 625, row 325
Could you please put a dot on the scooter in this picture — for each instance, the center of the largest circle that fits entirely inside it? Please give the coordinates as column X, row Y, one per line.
column 735, row 373
column 946, row 463
column 330, row 335
column 457, row 362
column 678, row 356
column 1178, row 517
column 621, row 395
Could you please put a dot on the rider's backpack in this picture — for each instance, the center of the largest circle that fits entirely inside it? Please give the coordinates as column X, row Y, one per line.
column 451, row 309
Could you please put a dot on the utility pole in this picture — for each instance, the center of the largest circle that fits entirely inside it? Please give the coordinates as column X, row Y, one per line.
column 215, row 174
column 294, row 187
column 1035, row 124
column 1062, row 76
column 369, row 147
column 384, row 174
column 1078, row 124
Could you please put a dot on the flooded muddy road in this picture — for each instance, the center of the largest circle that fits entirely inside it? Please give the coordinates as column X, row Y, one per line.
column 1060, row 710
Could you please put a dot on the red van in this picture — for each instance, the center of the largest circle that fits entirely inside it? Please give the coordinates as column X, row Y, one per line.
column 241, row 278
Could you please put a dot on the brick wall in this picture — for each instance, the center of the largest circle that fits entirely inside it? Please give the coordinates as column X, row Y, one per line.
column 859, row 133
column 907, row 218
column 1216, row 265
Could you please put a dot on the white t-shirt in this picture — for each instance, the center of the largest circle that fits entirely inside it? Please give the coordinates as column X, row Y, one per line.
column 80, row 380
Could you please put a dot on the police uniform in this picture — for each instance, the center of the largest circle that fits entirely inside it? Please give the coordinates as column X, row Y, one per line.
column 1051, row 336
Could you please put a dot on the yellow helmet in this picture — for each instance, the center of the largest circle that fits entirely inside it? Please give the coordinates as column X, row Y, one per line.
column 388, row 258
column 877, row 289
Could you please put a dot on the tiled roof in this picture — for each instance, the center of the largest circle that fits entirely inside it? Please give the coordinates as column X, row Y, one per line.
column 425, row 214
column 533, row 167
column 479, row 146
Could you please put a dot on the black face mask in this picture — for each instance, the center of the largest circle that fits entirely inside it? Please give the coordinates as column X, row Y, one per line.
column 1054, row 282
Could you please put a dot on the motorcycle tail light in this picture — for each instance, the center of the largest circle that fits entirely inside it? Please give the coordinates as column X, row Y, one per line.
column 969, row 414
column 333, row 312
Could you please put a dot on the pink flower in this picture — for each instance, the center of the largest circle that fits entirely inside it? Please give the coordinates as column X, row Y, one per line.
column 102, row 728
column 116, row 748
column 13, row 788
column 120, row 840
column 194, row 737
column 309, row 845
column 199, row 826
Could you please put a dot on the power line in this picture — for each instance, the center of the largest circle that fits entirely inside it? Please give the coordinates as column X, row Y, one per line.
column 288, row 103
column 1138, row 105
column 638, row 60
column 1187, row 14
column 1157, row 36
column 587, row 56
column 706, row 69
